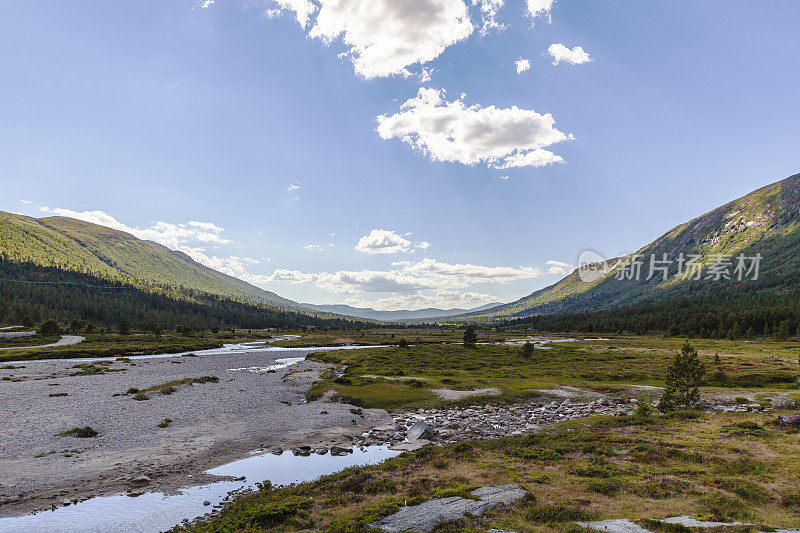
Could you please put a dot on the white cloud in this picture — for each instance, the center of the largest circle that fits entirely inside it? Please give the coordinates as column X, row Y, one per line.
column 293, row 187
column 451, row 131
column 27, row 202
column 438, row 299
column 522, row 65
column 207, row 3
column 505, row 178
column 559, row 267
column 385, row 37
column 408, row 277
column 303, row 9
column 424, row 245
column 461, row 275
column 533, row 158
column 575, row 56
column 380, row 241
column 488, row 13
column 313, row 247
column 411, row 284
column 540, row 8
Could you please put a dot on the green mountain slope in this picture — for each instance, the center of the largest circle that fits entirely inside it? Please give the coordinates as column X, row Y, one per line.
column 115, row 256
column 766, row 221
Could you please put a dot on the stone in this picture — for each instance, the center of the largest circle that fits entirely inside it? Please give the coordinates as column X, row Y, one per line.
column 788, row 420
column 409, row 446
column 427, row 515
column 420, row 430
column 615, row 526
column 339, row 450
column 277, row 450
column 206, row 503
column 687, row 521
column 139, row 480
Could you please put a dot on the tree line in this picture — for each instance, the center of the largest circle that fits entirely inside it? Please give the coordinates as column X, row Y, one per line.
column 32, row 294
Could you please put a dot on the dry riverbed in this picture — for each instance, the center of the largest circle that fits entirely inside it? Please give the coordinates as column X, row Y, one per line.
column 213, row 421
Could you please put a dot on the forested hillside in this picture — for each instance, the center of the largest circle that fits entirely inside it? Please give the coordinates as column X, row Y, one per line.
column 765, row 222
column 31, row 294
column 116, row 256
column 67, row 269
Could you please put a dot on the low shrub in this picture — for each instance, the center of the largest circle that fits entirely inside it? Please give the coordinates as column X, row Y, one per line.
column 81, row 433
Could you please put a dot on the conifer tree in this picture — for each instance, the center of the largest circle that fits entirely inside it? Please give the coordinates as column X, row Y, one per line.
column 683, row 378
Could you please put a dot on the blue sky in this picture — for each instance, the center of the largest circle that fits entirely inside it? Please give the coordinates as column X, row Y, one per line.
column 234, row 133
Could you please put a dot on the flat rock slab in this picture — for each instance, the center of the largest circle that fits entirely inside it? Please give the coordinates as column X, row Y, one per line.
column 450, row 394
column 427, row 515
column 687, row 521
column 615, row 526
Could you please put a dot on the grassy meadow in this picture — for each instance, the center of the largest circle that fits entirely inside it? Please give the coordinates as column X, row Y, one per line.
column 733, row 467
column 398, row 377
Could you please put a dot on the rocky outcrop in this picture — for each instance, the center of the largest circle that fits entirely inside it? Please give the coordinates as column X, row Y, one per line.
column 427, row 515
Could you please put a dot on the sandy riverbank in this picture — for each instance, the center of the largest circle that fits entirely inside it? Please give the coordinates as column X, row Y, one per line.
column 212, row 423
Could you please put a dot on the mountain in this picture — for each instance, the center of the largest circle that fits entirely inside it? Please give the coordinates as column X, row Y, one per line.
column 766, row 221
column 389, row 316
column 65, row 269
column 116, row 256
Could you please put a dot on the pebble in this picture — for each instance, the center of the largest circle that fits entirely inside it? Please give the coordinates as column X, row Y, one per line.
column 489, row 421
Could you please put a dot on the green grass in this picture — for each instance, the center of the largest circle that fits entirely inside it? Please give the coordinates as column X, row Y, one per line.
column 597, row 468
column 586, row 364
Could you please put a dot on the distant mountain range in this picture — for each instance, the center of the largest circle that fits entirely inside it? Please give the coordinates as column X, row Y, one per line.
column 389, row 316
column 66, row 268
column 766, row 221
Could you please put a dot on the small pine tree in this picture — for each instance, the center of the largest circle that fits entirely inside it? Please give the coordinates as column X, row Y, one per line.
column 50, row 327
column 124, row 327
column 750, row 333
column 683, row 377
column 527, row 349
column 470, row 337
column 735, row 332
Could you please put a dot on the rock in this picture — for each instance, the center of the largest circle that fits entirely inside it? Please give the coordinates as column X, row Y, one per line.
column 339, row 450
column 420, row 430
column 66, row 501
column 277, row 450
column 139, row 480
column 788, row 420
column 427, row 515
column 206, row 503
column 615, row 526
column 320, row 451
column 687, row 521
column 409, row 446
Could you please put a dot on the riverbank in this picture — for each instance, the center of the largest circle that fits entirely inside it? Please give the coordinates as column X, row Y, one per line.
column 201, row 412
